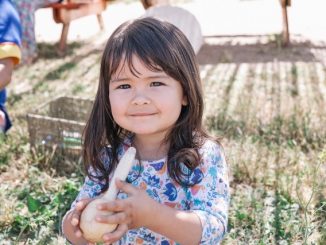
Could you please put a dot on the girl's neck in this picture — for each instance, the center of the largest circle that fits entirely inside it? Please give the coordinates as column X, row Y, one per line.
column 150, row 148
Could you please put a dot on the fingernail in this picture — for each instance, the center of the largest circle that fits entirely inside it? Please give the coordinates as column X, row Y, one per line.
column 74, row 222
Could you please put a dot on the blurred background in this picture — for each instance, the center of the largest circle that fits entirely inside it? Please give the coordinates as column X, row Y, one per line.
column 264, row 99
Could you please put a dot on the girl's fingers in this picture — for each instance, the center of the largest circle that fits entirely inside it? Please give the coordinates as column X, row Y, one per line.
column 82, row 203
column 126, row 187
column 117, row 218
column 74, row 220
column 116, row 235
column 114, row 206
column 78, row 209
column 75, row 217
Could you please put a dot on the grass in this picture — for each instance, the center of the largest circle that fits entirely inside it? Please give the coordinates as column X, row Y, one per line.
column 270, row 115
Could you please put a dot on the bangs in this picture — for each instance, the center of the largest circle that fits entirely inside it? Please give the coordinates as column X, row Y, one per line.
column 144, row 42
column 117, row 63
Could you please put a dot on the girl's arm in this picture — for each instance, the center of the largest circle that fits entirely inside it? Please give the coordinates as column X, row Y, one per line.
column 180, row 226
column 207, row 218
column 210, row 198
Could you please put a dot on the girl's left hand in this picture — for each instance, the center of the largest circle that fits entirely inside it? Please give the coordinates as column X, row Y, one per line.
column 133, row 212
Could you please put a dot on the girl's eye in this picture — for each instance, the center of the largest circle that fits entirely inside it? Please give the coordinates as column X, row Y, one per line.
column 156, row 84
column 123, row 86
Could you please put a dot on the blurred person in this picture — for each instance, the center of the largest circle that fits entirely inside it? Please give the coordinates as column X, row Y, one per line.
column 10, row 54
column 26, row 10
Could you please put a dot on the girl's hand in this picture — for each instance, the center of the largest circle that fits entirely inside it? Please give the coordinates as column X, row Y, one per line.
column 133, row 212
column 75, row 216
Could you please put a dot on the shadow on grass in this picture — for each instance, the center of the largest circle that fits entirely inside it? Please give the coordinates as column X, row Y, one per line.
column 69, row 65
column 50, row 51
column 255, row 49
column 56, row 74
column 286, row 131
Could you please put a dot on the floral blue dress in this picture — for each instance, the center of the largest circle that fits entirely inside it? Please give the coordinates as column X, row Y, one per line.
column 209, row 198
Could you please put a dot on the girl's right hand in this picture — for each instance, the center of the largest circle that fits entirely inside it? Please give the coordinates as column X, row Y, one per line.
column 75, row 216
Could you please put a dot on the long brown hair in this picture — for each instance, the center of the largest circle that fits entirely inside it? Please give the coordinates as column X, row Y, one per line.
column 162, row 47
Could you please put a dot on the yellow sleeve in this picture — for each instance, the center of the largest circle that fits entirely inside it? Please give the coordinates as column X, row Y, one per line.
column 10, row 50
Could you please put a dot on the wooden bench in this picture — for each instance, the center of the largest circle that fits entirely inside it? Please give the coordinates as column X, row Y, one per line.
column 70, row 10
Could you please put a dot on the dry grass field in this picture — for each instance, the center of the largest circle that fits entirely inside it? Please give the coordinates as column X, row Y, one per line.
column 266, row 102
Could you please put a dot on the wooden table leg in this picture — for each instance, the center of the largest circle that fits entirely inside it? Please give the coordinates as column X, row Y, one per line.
column 286, row 33
column 63, row 38
column 100, row 21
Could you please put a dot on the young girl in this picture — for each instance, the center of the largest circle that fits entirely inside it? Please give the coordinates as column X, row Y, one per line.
column 150, row 97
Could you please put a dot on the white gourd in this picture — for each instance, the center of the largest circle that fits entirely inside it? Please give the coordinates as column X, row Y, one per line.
column 93, row 230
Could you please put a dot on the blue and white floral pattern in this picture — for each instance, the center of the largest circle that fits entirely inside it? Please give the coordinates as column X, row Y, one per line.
column 208, row 198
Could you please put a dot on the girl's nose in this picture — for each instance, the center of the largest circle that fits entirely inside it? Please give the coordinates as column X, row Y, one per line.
column 140, row 98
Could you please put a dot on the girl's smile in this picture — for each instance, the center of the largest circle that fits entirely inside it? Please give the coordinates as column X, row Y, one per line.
column 143, row 101
column 142, row 114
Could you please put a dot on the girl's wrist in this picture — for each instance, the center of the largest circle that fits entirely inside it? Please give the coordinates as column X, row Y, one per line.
column 151, row 212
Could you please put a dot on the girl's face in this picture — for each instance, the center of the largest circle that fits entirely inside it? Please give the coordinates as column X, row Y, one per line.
column 147, row 104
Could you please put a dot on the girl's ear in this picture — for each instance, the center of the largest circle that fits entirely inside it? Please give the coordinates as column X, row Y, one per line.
column 184, row 101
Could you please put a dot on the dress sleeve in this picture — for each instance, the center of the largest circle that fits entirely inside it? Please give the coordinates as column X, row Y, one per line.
column 10, row 50
column 210, row 196
column 89, row 189
column 92, row 188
